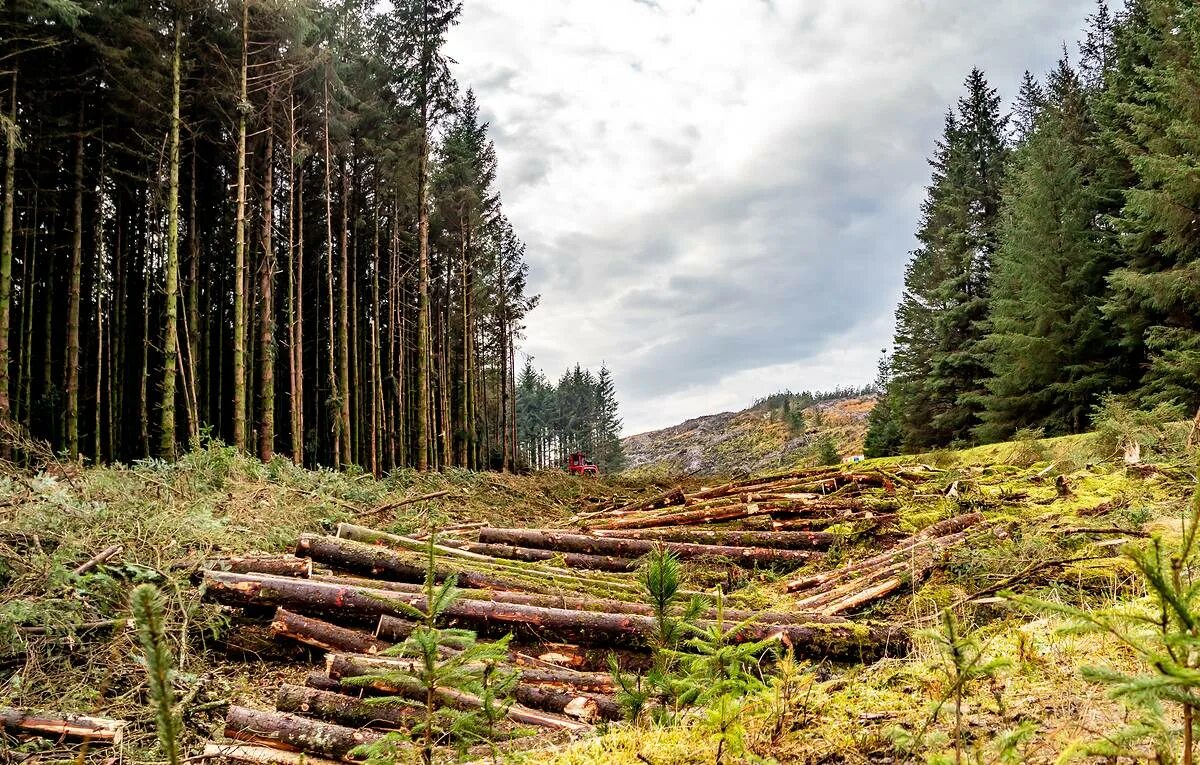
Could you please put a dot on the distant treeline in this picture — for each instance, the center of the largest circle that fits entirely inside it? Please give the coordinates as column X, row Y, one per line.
column 578, row 414
column 271, row 222
column 1058, row 255
column 794, row 401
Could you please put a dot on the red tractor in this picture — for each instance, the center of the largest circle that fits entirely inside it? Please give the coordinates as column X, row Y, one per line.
column 579, row 464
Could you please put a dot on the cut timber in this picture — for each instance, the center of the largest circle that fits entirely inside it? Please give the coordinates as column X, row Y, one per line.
column 261, row 755
column 587, row 708
column 780, row 540
column 695, row 517
column 321, row 634
column 835, row 640
column 408, row 501
column 342, row 709
column 573, row 560
column 286, row 731
column 597, row 545
column 668, row 498
column 59, row 725
column 278, row 565
column 342, row 667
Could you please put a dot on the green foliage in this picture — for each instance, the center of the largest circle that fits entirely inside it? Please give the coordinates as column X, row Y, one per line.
column 580, row 413
column 825, row 451
column 145, row 602
column 1119, row 424
column 1163, row 632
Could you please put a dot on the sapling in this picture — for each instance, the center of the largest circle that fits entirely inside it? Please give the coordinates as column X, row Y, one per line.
column 146, row 604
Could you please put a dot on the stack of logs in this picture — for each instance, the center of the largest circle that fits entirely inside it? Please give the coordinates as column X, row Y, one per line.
column 569, row 597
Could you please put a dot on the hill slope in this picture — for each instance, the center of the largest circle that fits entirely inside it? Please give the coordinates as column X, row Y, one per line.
column 752, row 440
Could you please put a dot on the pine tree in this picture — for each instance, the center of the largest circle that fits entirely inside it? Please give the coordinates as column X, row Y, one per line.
column 939, row 362
column 1052, row 352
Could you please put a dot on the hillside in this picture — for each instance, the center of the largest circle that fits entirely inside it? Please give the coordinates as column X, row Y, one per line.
column 753, row 440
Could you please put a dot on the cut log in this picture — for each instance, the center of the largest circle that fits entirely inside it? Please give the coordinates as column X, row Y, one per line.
column 278, row 565
column 762, row 539
column 587, row 708
column 835, row 640
column 260, row 755
column 100, row 730
column 593, row 545
column 695, row 517
column 786, row 522
column 573, row 560
column 322, row 634
column 342, row 666
column 380, row 561
column 324, row 682
column 408, row 501
column 342, row 709
column 673, row 496
column 292, row 732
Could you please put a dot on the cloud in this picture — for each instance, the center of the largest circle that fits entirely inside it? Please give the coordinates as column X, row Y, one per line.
column 718, row 197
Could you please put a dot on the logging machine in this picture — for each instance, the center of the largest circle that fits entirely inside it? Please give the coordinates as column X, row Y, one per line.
column 579, row 464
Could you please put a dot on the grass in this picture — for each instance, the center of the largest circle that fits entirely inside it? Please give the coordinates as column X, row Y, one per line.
column 64, row 642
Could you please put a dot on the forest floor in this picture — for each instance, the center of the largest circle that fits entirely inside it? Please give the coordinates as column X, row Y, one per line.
column 64, row 643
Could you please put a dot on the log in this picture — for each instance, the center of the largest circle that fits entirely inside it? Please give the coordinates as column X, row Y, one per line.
column 260, row 755
column 380, row 561
column 784, row 522
column 277, row 565
column 395, row 505
column 762, row 539
column 100, row 557
column 295, row 733
column 342, row 709
column 839, row 639
column 672, row 496
column 597, row 545
column 587, row 708
column 342, row 665
column 60, row 725
column 573, row 560
column 346, row 667
column 684, row 518
column 323, row 635
column 324, row 682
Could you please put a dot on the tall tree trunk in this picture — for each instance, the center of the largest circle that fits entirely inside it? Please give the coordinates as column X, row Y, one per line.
column 6, row 244
column 167, row 436
column 192, row 322
column 344, row 339
column 421, row 433
column 376, row 388
column 295, row 362
column 266, row 310
column 239, row 250
column 74, row 298
column 334, row 397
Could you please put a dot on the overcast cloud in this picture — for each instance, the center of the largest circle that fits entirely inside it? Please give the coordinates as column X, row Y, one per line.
column 718, row 196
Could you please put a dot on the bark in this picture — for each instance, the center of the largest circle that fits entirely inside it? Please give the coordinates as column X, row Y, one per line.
column 276, row 565
column 401, row 503
column 323, row 635
column 295, row 402
column 266, row 309
column 343, row 665
column 100, row 557
column 585, row 707
column 239, row 250
column 342, row 709
column 260, row 755
column 58, row 725
column 335, row 409
column 6, row 247
column 74, row 299
column 840, row 640
column 763, row 539
column 596, row 545
column 344, row 339
column 171, row 296
column 422, row 389
column 295, row 733
column 573, row 560
column 696, row 517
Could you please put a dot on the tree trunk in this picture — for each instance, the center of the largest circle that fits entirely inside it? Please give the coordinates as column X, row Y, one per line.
column 260, row 755
column 587, row 708
column 783, row 540
column 266, row 309
column 239, row 250
column 291, row 732
column 323, row 635
column 167, row 420
column 58, row 725
column 342, row 709
column 344, row 339
column 6, row 248
column 74, row 299
column 335, row 408
column 592, row 545
column 571, row 559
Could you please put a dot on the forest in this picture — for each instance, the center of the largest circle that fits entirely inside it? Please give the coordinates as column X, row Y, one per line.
column 1058, row 257
column 267, row 222
column 578, row 413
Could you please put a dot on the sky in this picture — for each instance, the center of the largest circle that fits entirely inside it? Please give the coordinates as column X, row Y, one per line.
column 718, row 197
